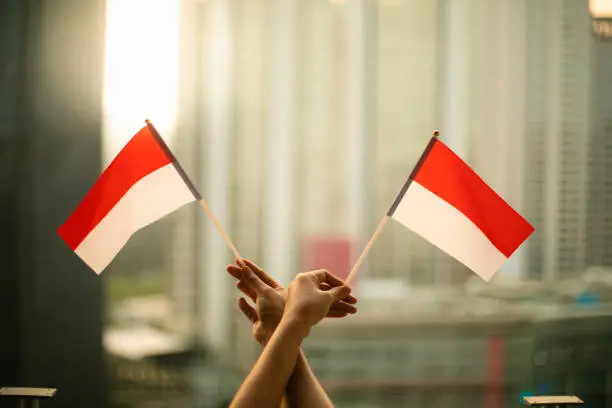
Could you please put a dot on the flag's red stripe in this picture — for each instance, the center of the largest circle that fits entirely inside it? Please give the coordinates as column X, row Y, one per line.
column 447, row 176
column 141, row 156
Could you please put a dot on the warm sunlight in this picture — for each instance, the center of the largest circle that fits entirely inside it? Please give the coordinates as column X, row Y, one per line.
column 601, row 8
column 141, row 69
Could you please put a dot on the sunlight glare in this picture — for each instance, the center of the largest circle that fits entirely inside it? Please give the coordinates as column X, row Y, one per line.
column 141, row 70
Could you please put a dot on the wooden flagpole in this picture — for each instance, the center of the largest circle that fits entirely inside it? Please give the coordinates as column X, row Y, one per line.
column 220, row 228
column 373, row 238
column 365, row 251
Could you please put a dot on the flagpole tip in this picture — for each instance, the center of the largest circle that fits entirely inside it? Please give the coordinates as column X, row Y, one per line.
column 436, row 133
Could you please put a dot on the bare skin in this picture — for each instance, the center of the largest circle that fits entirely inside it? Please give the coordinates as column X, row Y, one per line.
column 270, row 314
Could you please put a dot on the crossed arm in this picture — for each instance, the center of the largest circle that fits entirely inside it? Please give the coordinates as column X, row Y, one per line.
column 282, row 361
column 303, row 388
column 266, row 383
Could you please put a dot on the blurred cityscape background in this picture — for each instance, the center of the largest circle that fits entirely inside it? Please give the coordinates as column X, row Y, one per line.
column 299, row 120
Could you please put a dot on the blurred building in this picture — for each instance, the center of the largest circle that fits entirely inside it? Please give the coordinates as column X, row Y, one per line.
column 556, row 137
column 599, row 221
column 323, row 108
column 306, row 130
column 526, row 119
column 299, row 121
column 407, row 76
column 484, row 360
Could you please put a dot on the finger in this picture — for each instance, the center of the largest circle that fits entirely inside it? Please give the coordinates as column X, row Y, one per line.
column 254, row 267
column 247, row 310
column 334, row 313
column 349, row 299
column 233, row 270
column 240, row 262
column 252, row 280
column 324, row 276
column 326, row 286
column 339, row 292
column 265, row 278
column 344, row 307
column 247, row 290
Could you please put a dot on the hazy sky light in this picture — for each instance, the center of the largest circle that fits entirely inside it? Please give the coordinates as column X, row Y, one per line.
column 601, row 8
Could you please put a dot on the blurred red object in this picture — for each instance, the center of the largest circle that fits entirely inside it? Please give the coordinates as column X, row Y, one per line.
column 327, row 252
column 495, row 372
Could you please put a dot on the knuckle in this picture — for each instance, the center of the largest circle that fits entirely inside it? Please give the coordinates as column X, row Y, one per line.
column 267, row 291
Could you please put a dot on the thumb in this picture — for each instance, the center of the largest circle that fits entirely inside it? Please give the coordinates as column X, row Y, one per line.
column 252, row 280
column 339, row 292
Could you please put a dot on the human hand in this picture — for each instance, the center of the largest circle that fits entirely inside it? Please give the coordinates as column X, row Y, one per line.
column 338, row 309
column 307, row 303
column 269, row 306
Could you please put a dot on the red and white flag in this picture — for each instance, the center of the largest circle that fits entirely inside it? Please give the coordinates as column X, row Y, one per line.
column 448, row 204
column 141, row 185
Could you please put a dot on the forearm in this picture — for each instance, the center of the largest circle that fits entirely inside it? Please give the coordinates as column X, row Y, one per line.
column 303, row 388
column 266, row 383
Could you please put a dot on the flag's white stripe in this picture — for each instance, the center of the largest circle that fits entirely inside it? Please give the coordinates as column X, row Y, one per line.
column 446, row 227
column 151, row 198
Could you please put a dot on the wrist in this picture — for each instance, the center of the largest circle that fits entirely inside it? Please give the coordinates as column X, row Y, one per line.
column 266, row 339
column 291, row 323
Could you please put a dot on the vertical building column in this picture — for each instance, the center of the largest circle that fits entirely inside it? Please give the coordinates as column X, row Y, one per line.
column 185, row 248
column 280, row 240
column 580, row 93
column 214, row 172
column 314, row 142
column 552, row 167
column 455, row 94
column 509, row 126
column 455, row 116
column 360, row 106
